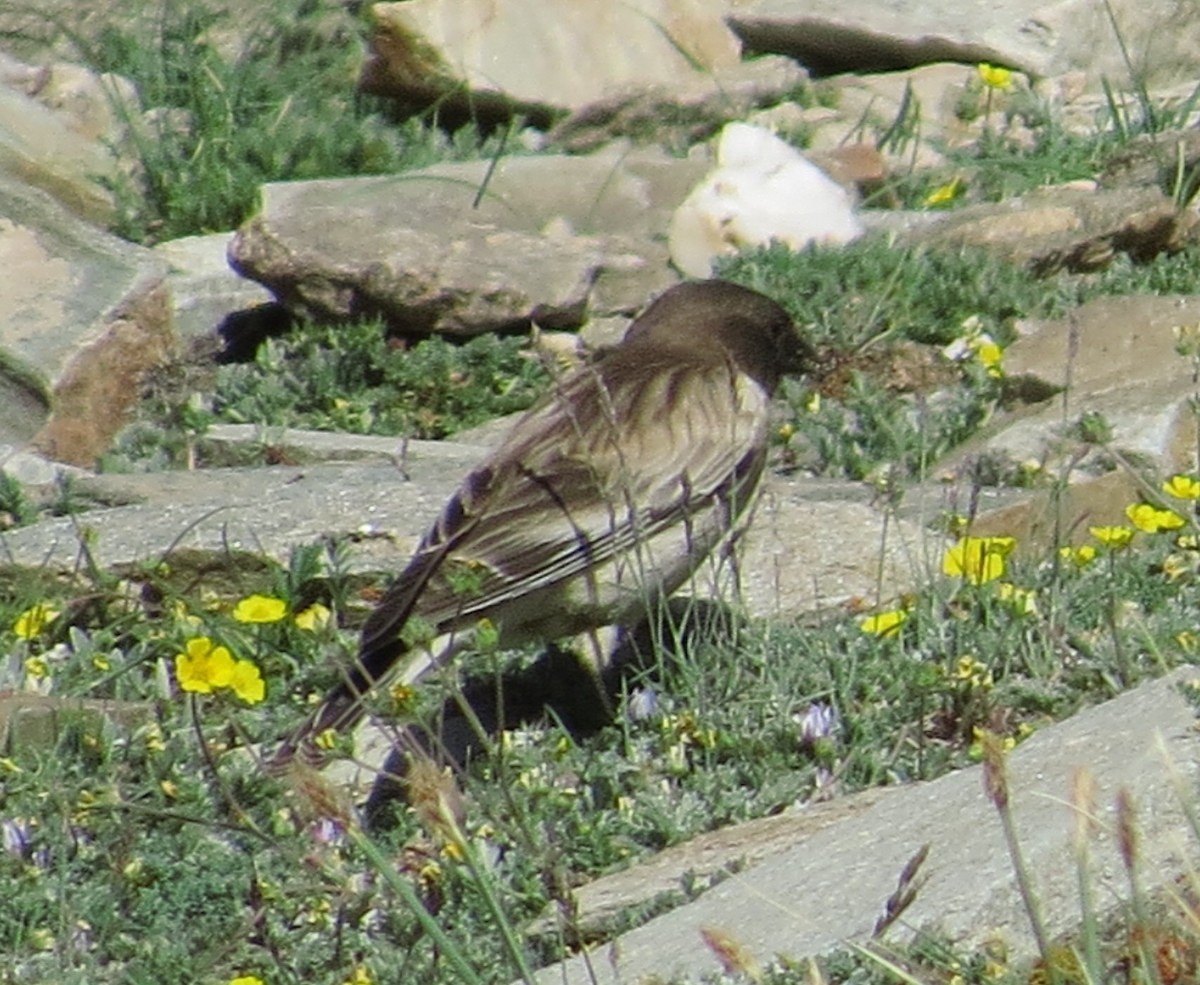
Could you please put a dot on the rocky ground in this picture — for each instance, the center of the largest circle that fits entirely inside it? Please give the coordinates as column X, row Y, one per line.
column 583, row 232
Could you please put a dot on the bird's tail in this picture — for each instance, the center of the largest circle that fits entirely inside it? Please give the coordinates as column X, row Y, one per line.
column 341, row 709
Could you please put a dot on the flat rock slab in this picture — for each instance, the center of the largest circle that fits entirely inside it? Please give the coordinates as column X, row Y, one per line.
column 1039, row 37
column 709, row 856
column 37, row 148
column 1115, row 357
column 792, row 561
column 537, row 60
column 82, row 316
column 815, row 895
column 204, row 288
column 549, row 239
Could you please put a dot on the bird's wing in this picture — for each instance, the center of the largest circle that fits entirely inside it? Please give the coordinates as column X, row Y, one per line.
column 588, row 475
column 594, row 471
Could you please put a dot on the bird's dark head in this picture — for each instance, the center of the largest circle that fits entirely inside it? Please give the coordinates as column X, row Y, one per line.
column 751, row 329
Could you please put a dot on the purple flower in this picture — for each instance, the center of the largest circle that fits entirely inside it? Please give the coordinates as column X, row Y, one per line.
column 15, row 837
column 816, row 724
column 642, row 704
column 328, row 831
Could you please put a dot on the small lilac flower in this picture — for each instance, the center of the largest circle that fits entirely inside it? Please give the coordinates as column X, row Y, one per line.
column 642, row 704
column 816, row 724
column 328, row 831
column 14, row 835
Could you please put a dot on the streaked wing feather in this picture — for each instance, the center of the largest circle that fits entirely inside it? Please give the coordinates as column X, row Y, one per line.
column 551, row 511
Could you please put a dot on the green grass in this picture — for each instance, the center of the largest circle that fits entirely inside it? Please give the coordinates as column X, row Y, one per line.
column 349, row 378
column 865, row 303
column 272, row 100
column 183, row 860
column 144, row 848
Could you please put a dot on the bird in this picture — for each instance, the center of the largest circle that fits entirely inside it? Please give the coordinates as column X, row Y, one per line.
column 601, row 502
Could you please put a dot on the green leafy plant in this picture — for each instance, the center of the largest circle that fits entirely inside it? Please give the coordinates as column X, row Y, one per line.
column 229, row 109
column 352, row 378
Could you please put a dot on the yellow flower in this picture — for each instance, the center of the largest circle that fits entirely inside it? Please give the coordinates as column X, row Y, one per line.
column 246, row 980
column 180, row 612
column 1022, row 600
column 1080, row 556
column 1182, row 487
column 1150, row 519
column 990, row 354
column 326, row 740
column 1174, row 566
column 33, row 620
column 975, row 752
column 995, row 77
column 360, row 976
column 884, row 623
column 247, row 683
column 403, row 695
column 154, row 738
column 315, row 617
column 973, row 671
column 260, row 608
column 37, row 668
column 169, row 788
column 1187, row 640
column 978, row 559
column 204, row 666
column 974, row 341
column 1113, row 537
column 1187, row 339
column 944, row 193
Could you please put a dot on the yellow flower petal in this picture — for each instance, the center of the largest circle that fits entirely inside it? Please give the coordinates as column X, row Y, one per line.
column 247, row 683
column 204, row 666
column 1022, row 600
column 1080, row 556
column 260, row 609
column 314, row 618
column 33, row 620
column 994, row 76
column 977, row 559
column 944, row 193
column 1182, row 487
column 885, row 623
column 990, row 354
column 1115, row 538
column 1150, row 519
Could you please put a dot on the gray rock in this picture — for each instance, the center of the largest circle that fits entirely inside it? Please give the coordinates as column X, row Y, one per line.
column 1078, row 228
column 204, row 288
column 98, row 107
column 1118, row 357
column 707, row 857
column 1043, row 39
column 37, row 147
column 551, row 237
column 82, row 316
column 383, row 508
column 34, row 470
column 674, row 117
column 830, row 887
column 35, row 721
column 524, row 58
